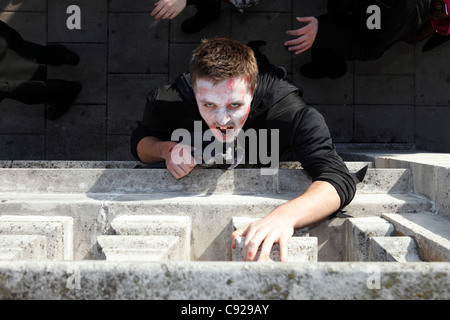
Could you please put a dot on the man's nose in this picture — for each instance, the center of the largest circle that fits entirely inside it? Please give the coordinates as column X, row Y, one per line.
column 223, row 117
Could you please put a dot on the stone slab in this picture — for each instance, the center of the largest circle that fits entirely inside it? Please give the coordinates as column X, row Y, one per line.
column 22, row 247
column 393, row 249
column 58, row 231
column 359, row 231
column 157, row 225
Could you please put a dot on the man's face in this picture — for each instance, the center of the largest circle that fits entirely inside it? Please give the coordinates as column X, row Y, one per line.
column 224, row 106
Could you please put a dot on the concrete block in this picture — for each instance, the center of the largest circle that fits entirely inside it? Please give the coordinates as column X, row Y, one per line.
column 22, row 247
column 78, row 135
column 157, row 225
column 94, row 17
column 433, row 241
column 137, row 44
column 91, row 72
column 129, row 90
column 140, row 248
column 180, row 56
column 58, row 231
column 131, row 6
column 359, row 232
column 394, row 249
column 372, row 125
column 300, row 249
column 117, row 148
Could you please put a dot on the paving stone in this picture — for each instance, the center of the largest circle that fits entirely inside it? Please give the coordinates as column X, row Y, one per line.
column 23, row 247
column 30, row 25
column 91, row 72
column 20, row 118
column 127, row 96
column 180, row 56
column 24, row 147
column 146, row 6
column 218, row 28
column 339, row 119
column 272, row 28
column 58, row 231
column 431, row 129
column 432, row 76
column 137, row 44
column 384, row 124
column 384, row 89
column 79, row 135
column 118, row 148
column 393, row 249
column 94, row 17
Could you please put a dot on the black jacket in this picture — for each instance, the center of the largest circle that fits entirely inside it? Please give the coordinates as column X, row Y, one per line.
column 277, row 104
column 344, row 28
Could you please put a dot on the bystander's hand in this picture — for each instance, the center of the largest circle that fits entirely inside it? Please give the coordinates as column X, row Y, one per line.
column 306, row 35
column 168, row 9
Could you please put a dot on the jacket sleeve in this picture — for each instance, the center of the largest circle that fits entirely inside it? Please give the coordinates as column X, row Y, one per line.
column 313, row 147
column 152, row 125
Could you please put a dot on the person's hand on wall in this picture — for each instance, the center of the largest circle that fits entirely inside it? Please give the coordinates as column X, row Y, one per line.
column 306, row 35
column 168, row 9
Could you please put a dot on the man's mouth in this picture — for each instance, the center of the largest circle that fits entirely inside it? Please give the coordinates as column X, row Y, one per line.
column 224, row 130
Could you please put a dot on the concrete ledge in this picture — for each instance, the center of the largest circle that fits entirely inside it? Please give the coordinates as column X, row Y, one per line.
column 432, row 246
column 140, row 248
column 89, row 280
column 23, row 247
column 394, row 249
column 58, row 231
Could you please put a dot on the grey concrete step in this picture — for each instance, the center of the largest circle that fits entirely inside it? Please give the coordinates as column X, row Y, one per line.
column 23, row 247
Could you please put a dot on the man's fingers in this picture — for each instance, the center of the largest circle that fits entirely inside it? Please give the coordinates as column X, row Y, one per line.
column 238, row 234
column 305, row 19
column 266, row 247
column 283, row 250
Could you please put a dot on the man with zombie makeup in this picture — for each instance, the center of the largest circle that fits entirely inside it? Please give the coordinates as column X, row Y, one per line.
column 228, row 93
column 343, row 35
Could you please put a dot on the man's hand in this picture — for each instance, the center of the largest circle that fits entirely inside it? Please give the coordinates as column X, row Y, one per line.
column 307, row 35
column 274, row 228
column 168, row 9
column 179, row 160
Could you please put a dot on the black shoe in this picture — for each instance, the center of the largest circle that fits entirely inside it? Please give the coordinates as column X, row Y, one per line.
column 70, row 92
column 314, row 70
column 435, row 41
column 198, row 22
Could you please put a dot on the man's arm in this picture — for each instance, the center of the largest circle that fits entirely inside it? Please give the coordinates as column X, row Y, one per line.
column 177, row 157
column 319, row 201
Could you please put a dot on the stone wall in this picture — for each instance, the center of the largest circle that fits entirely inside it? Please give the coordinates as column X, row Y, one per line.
column 402, row 98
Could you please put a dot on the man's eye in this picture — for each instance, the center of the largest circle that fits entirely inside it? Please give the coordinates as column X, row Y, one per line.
column 235, row 105
column 208, row 105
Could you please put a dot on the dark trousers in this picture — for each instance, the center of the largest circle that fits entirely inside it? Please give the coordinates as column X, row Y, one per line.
column 37, row 89
column 206, row 6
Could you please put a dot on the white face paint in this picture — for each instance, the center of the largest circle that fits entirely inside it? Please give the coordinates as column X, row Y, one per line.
column 224, row 106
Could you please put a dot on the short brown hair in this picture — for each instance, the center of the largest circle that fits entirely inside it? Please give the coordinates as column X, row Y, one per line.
column 220, row 59
column 437, row 9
